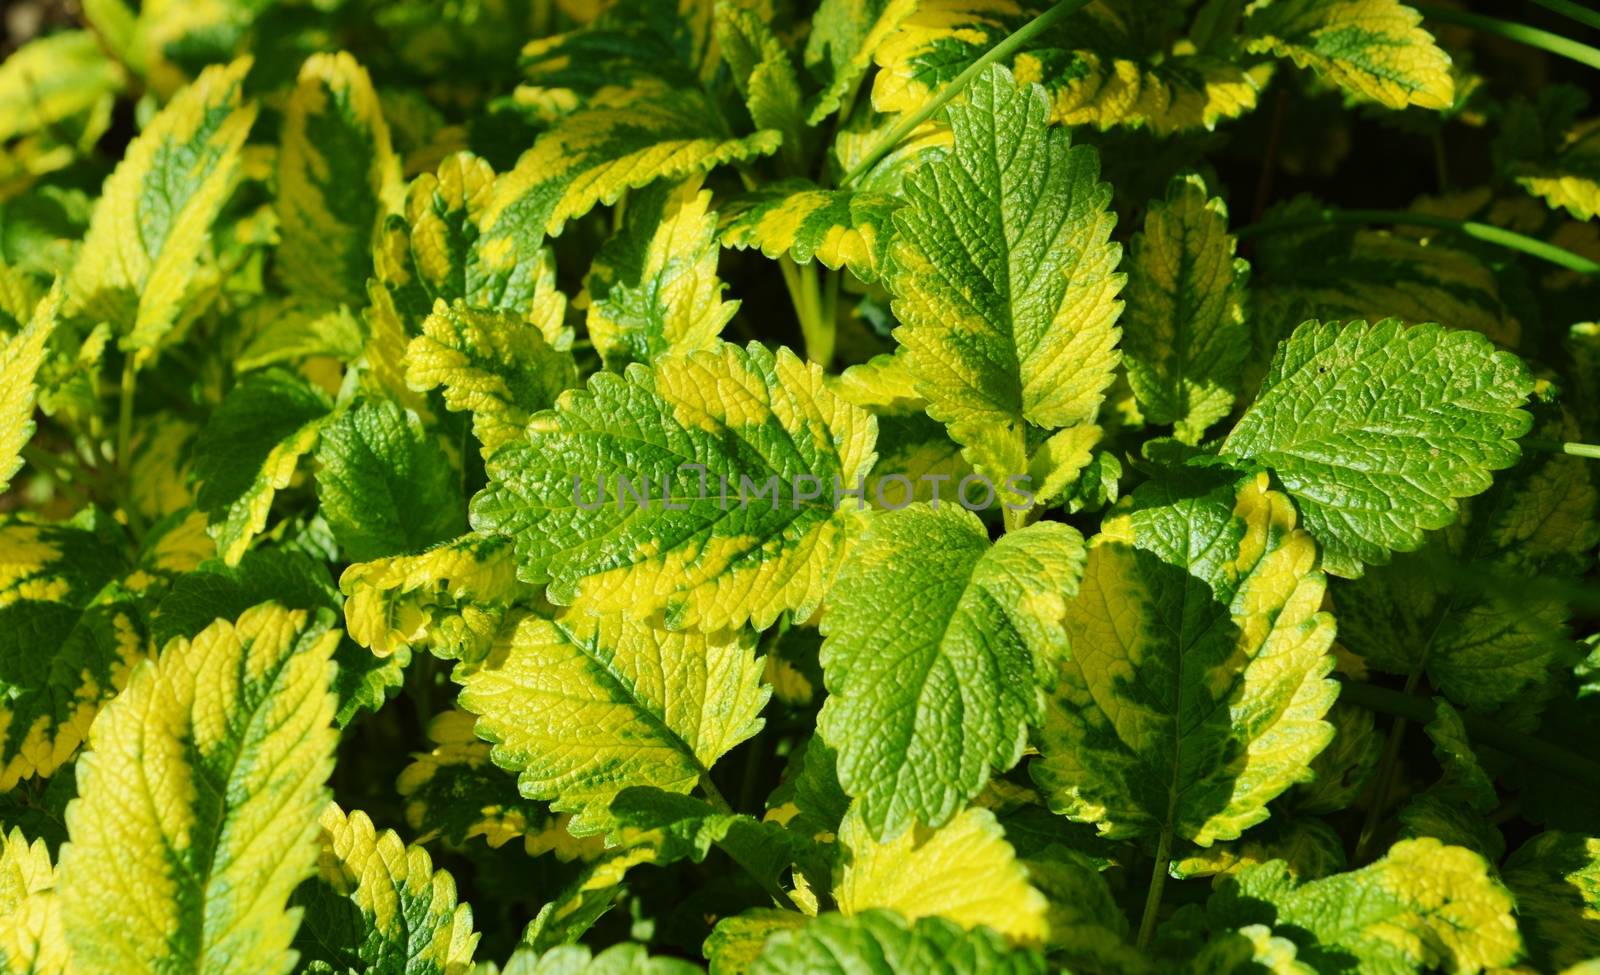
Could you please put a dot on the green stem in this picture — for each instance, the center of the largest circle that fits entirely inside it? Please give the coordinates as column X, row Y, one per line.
column 1479, row 231
column 713, row 794
column 1021, row 36
column 124, row 465
column 1480, row 728
column 1380, row 789
column 815, row 326
column 1589, row 450
column 1576, row 11
column 1521, row 33
column 1158, row 883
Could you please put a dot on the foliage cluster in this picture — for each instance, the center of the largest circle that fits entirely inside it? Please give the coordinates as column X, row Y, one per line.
column 322, row 323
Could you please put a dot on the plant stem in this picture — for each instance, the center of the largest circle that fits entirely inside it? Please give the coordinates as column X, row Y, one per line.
column 1521, row 33
column 1576, row 11
column 1158, row 882
column 124, row 465
column 713, row 794
column 1022, row 35
column 1575, row 449
column 1486, row 730
column 815, row 325
column 1480, row 231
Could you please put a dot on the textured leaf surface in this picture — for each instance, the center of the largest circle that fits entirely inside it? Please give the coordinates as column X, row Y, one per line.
column 1373, row 49
column 624, row 138
column 764, row 75
column 840, row 228
column 449, row 600
column 1377, row 430
column 1195, row 687
column 1004, row 279
column 157, row 207
column 199, row 802
column 582, row 706
column 1423, row 906
column 337, row 176
column 1102, row 66
column 384, row 483
column 1556, row 879
column 249, row 451
column 31, row 940
column 746, row 415
column 21, row 356
column 653, row 288
column 1184, row 337
column 499, row 366
column 378, row 905
column 69, row 633
column 964, row 871
column 845, row 35
column 934, row 638
column 882, row 943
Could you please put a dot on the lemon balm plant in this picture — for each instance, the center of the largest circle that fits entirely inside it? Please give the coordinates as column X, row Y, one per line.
column 770, row 486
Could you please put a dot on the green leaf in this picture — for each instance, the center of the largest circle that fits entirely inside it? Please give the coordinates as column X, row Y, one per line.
column 499, row 366
column 337, row 177
column 1376, row 430
column 21, row 356
column 455, row 793
column 1106, row 65
column 1461, row 611
column 840, row 228
column 623, row 959
column 710, row 557
column 1308, row 847
column 882, row 943
column 1456, row 808
column 585, row 900
column 1556, row 879
column 385, row 485
column 377, row 905
column 215, row 590
column 1571, row 179
column 845, row 35
column 1004, row 279
column 764, row 75
column 911, row 445
column 449, row 600
column 734, row 944
column 678, row 827
column 1196, row 684
column 198, row 802
column 1424, row 906
column 624, row 138
column 653, row 288
column 53, row 78
column 31, row 941
column 1184, row 336
column 69, row 633
column 438, row 251
column 249, row 450
column 1375, row 50
column 934, row 638
column 963, row 871
column 150, row 225
column 1346, row 273
column 1341, row 772
column 583, row 706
